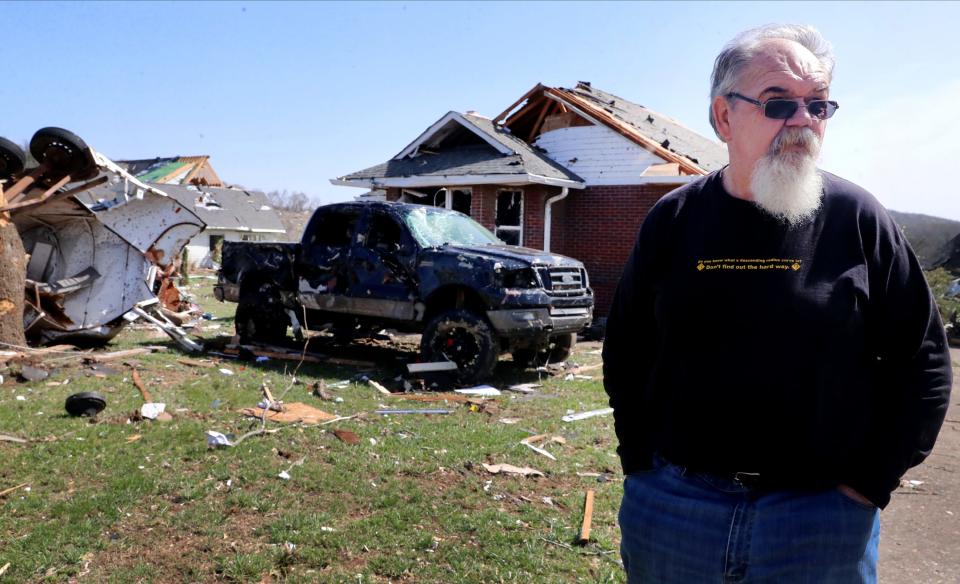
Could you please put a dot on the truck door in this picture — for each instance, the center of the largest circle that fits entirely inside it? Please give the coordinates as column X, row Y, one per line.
column 381, row 279
column 324, row 272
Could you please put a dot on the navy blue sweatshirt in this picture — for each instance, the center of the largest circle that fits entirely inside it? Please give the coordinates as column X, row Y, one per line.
column 812, row 354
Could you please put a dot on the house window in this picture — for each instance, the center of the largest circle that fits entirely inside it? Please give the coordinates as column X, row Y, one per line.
column 509, row 223
column 456, row 199
column 251, row 237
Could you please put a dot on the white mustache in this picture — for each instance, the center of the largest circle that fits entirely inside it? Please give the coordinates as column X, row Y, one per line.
column 803, row 137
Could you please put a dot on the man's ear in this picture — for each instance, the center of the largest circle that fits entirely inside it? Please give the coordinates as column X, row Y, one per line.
column 721, row 116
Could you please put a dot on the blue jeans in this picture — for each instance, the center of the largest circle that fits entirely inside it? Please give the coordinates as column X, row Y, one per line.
column 683, row 527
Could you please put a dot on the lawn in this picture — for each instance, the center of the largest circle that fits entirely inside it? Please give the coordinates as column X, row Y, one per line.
column 149, row 501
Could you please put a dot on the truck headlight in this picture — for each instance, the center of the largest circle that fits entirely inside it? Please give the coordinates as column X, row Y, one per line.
column 525, row 278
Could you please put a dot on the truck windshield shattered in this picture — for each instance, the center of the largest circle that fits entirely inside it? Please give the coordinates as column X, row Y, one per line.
column 434, row 227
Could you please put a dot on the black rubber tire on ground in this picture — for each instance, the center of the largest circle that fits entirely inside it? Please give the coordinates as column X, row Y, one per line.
column 260, row 316
column 12, row 159
column 557, row 351
column 466, row 339
column 65, row 152
column 561, row 347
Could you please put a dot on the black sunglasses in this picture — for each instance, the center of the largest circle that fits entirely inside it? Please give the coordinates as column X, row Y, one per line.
column 783, row 109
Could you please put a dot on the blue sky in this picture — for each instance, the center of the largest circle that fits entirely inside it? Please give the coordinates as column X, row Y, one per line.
column 289, row 95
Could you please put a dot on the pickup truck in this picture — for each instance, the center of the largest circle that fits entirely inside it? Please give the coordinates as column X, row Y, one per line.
column 364, row 266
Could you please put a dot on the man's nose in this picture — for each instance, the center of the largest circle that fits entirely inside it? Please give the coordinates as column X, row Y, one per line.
column 801, row 118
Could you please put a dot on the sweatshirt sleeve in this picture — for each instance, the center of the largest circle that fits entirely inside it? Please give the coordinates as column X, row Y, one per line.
column 630, row 347
column 914, row 374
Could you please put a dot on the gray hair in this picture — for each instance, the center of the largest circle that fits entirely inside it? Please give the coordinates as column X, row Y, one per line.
column 743, row 48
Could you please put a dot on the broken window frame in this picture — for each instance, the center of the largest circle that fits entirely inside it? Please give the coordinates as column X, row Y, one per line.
column 499, row 228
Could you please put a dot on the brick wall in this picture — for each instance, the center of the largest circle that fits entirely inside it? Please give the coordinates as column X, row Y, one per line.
column 599, row 228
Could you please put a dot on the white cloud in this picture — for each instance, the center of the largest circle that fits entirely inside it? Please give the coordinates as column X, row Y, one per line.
column 904, row 149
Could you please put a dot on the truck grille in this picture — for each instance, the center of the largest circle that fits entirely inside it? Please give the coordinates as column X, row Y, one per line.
column 563, row 281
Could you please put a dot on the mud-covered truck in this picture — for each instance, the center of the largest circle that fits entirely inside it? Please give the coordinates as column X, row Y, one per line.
column 364, row 266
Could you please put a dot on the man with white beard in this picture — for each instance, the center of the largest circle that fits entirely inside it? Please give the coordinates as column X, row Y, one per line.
column 774, row 357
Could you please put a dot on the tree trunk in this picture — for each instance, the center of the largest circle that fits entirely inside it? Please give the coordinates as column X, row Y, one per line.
column 13, row 275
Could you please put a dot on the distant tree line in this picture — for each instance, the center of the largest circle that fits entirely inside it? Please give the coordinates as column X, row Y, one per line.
column 295, row 201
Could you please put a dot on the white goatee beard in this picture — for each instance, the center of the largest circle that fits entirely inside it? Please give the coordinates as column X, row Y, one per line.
column 786, row 184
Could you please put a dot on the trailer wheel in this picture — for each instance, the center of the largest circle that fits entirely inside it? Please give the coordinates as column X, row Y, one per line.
column 65, row 152
column 12, row 159
column 464, row 338
column 260, row 316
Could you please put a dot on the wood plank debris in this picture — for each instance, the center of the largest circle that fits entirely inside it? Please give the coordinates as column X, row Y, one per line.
column 379, row 387
column 584, row 536
column 434, row 366
column 347, row 436
column 9, row 438
column 510, row 469
column 6, row 492
column 427, row 397
column 115, row 355
column 292, row 413
column 426, row 411
column 585, row 415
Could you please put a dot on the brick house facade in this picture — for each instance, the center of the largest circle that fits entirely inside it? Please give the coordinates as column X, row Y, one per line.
column 614, row 159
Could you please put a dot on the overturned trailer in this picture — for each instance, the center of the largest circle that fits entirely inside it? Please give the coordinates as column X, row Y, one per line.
column 97, row 250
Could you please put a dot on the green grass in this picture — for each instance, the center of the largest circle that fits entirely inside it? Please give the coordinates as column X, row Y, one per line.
column 416, row 506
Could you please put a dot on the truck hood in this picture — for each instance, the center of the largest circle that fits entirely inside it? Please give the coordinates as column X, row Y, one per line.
column 524, row 256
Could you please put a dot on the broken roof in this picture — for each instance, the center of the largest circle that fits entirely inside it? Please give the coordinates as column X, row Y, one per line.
column 219, row 208
column 656, row 132
column 174, row 170
column 229, row 209
column 464, row 149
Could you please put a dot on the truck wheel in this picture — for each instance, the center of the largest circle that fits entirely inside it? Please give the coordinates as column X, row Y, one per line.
column 464, row 338
column 557, row 351
column 562, row 346
column 260, row 317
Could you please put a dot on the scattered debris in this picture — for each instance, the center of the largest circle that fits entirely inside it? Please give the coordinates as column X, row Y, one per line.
column 4, row 569
column 6, row 492
column 226, row 371
column 152, row 411
column 196, row 363
column 585, row 415
column 510, row 469
column 427, row 411
column 87, row 403
column 379, row 387
column 215, row 439
column 8, row 438
column 584, row 536
column 347, row 436
column 434, row 366
column 530, row 442
column 524, row 387
column 292, row 413
column 113, row 356
column 320, row 390
column 284, row 475
column 28, row 373
column 484, row 390
column 133, row 438
column 509, row 420
column 432, row 397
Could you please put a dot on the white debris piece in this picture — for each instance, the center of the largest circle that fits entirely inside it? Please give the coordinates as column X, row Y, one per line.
column 484, row 390
column 585, row 415
column 151, row 410
column 217, row 439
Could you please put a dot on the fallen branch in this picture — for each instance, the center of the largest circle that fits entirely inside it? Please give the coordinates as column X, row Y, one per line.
column 579, row 551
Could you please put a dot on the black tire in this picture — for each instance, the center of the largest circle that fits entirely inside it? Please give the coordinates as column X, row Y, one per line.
column 260, row 316
column 12, row 159
column 557, row 350
column 464, row 338
column 65, row 152
column 561, row 347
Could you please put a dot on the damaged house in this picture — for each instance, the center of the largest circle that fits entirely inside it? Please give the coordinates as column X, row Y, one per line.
column 230, row 215
column 573, row 171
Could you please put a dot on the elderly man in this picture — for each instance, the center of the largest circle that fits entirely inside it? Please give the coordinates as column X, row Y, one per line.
column 774, row 357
